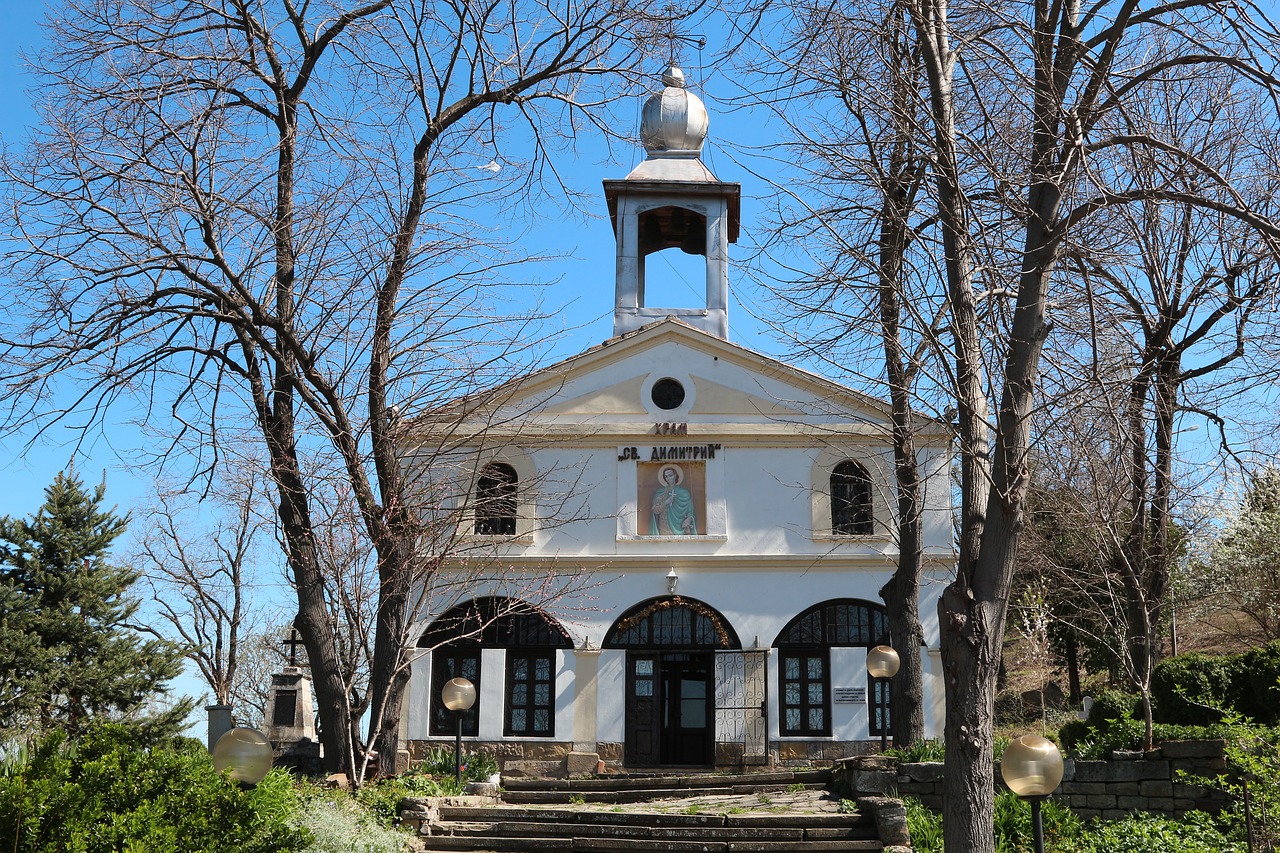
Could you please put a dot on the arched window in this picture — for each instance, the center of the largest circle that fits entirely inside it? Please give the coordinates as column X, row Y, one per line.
column 495, row 503
column 804, row 663
column 531, row 639
column 851, row 510
column 672, row 622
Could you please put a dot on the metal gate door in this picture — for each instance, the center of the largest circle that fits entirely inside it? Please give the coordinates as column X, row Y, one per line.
column 742, row 702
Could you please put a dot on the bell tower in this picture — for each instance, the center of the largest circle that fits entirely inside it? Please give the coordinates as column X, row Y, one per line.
column 671, row 200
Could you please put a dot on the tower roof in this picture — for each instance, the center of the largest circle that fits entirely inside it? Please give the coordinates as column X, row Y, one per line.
column 673, row 127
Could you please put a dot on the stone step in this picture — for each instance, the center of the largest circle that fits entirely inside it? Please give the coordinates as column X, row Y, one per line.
column 603, row 797
column 640, row 781
column 496, row 814
column 578, row 844
column 518, row 829
column 640, row 795
column 706, row 815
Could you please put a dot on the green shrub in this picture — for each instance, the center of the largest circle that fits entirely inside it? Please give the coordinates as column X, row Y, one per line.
column 1099, row 742
column 1113, row 705
column 1013, row 823
column 1195, row 833
column 480, row 766
column 1065, row 833
column 1165, row 731
column 1073, row 733
column 106, row 792
column 336, row 825
column 921, row 750
column 1258, row 684
column 1253, row 758
column 1195, row 689
column 1112, row 724
column 1188, row 689
column 925, row 826
column 422, row 785
column 438, row 764
column 381, row 800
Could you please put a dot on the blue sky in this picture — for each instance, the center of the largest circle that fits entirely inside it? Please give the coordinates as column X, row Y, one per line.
column 26, row 472
column 583, row 296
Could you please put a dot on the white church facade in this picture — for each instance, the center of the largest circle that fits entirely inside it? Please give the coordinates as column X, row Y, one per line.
column 691, row 536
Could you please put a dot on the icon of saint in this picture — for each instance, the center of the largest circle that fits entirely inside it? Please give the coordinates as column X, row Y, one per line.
column 671, row 511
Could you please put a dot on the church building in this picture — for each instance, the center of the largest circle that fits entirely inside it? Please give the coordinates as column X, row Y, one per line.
column 686, row 538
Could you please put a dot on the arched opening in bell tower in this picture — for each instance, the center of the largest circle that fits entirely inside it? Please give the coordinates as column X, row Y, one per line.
column 673, row 269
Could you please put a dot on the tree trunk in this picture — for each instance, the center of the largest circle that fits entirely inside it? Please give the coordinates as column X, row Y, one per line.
column 902, row 593
column 970, row 663
column 1072, row 654
column 906, row 690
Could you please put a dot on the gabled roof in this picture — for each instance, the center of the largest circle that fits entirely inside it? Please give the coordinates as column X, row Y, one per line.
column 546, row 385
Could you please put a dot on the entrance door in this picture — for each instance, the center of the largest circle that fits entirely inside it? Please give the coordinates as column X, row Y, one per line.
column 670, row 709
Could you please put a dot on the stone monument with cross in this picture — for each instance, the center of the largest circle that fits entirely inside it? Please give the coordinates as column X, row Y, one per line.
column 290, row 721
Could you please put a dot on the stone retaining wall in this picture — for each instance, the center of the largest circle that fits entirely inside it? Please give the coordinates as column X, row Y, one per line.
column 1129, row 782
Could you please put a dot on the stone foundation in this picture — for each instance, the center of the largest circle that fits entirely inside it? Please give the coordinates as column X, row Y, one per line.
column 501, row 751
column 810, row 753
column 552, row 758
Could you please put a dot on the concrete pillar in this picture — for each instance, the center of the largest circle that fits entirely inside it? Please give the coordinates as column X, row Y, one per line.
column 935, row 695
column 220, row 722
column 586, row 698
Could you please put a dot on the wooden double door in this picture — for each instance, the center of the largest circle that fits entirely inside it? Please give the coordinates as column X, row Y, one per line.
column 670, row 709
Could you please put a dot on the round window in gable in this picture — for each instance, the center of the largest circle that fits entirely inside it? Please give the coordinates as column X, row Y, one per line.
column 667, row 394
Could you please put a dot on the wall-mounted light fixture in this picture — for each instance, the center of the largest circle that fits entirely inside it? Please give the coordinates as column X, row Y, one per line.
column 672, row 580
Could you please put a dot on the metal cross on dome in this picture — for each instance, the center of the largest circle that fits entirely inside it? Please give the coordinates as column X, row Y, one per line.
column 673, row 36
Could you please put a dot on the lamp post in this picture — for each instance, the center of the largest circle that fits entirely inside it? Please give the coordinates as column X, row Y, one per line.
column 245, row 754
column 458, row 695
column 1032, row 768
column 883, row 662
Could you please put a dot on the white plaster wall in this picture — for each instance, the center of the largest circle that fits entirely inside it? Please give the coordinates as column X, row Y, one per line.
column 848, row 669
column 419, row 709
column 490, row 696
column 759, row 502
column 759, row 566
column 612, row 698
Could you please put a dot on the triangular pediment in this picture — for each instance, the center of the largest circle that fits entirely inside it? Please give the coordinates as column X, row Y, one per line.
column 621, row 398
column 608, row 388
column 716, row 399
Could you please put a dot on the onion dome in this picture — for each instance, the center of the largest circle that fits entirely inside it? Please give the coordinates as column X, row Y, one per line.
column 673, row 119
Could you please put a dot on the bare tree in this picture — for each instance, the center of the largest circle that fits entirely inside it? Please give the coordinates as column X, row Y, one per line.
column 252, row 217
column 204, row 581
column 1174, row 296
column 1030, row 131
column 843, row 83
column 1077, row 72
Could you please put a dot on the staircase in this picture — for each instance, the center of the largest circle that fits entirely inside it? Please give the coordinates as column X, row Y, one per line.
column 768, row 812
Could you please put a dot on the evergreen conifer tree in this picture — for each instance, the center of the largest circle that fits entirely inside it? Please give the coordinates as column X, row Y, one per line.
column 67, row 653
